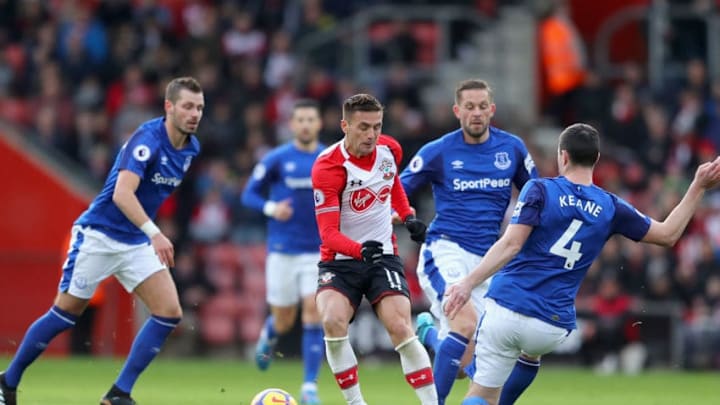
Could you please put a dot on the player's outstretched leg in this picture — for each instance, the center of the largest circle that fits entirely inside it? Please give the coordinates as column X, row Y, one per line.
column 312, row 352
column 426, row 331
column 36, row 339
column 266, row 344
column 8, row 396
column 415, row 364
column 145, row 347
column 344, row 365
column 521, row 377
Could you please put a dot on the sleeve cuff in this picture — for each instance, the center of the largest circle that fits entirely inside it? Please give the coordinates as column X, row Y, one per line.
column 269, row 208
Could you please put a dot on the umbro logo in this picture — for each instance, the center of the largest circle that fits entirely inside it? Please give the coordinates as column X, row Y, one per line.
column 457, row 164
column 354, row 183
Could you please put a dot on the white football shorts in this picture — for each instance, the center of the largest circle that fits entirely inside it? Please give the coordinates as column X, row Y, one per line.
column 290, row 277
column 443, row 263
column 501, row 337
column 93, row 257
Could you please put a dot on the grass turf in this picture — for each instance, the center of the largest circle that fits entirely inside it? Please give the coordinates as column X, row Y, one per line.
column 76, row 381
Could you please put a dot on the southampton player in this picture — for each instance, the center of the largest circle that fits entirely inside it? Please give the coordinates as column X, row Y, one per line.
column 558, row 228
column 356, row 186
column 472, row 171
column 116, row 236
column 293, row 241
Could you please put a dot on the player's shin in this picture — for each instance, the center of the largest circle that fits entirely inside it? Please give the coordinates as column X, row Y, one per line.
column 418, row 373
column 312, row 352
column 447, row 363
column 344, row 365
column 521, row 377
column 145, row 347
column 36, row 339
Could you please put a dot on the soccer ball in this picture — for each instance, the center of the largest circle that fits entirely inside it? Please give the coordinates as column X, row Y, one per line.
column 273, row 396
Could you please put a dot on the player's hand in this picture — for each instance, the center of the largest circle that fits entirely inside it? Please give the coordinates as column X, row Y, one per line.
column 283, row 210
column 371, row 251
column 164, row 249
column 708, row 174
column 396, row 220
column 417, row 228
column 457, row 295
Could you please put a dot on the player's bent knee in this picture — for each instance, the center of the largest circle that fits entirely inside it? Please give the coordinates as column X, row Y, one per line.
column 465, row 322
column 335, row 324
column 399, row 331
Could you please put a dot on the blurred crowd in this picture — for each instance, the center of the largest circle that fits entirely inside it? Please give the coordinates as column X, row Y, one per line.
column 79, row 76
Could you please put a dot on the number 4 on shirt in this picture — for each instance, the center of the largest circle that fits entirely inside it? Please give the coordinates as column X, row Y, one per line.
column 573, row 254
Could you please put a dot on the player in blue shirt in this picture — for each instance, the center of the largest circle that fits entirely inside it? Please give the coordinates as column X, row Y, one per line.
column 293, row 243
column 116, row 236
column 558, row 228
column 472, row 171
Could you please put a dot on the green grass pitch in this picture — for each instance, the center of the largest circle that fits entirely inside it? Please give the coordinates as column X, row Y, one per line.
column 53, row 381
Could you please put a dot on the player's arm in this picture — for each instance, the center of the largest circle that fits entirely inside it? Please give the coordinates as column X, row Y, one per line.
column 328, row 184
column 667, row 232
column 526, row 169
column 525, row 217
column 264, row 173
column 125, row 199
column 421, row 169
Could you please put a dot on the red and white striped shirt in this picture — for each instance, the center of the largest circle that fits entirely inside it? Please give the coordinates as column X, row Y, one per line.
column 354, row 198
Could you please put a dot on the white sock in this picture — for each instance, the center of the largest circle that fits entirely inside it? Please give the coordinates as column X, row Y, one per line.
column 418, row 372
column 344, row 365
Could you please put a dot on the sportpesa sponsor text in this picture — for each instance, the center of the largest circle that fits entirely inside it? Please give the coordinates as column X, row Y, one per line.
column 483, row 183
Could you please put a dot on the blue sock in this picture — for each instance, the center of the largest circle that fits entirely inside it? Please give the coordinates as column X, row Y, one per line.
column 145, row 347
column 431, row 339
column 470, row 368
column 313, row 348
column 447, row 363
column 474, row 401
column 270, row 328
column 521, row 377
column 36, row 339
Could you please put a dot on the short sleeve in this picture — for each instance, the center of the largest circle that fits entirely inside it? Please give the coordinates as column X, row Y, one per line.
column 628, row 221
column 137, row 153
column 529, row 205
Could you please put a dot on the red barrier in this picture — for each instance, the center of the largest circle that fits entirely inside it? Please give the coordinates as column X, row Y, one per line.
column 37, row 209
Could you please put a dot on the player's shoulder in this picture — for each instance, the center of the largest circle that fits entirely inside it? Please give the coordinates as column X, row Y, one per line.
column 507, row 137
column 150, row 131
column 278, row 152
column 441, row 143
column 392, row 144
column 194, row 144
column 332, row 155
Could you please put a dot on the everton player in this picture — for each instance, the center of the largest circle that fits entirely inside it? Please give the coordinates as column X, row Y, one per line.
column 293, row 242
column 558, row 228
column 116, row 236
column 472, row 172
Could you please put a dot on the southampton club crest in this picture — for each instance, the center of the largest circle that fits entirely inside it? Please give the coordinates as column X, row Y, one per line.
column 386, row 168
column 502, row 160
column 325, row 278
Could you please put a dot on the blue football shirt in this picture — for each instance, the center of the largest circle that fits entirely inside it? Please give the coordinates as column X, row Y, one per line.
column 471, row 185
column 571, row 224
column 161, row 167
column 285, row 173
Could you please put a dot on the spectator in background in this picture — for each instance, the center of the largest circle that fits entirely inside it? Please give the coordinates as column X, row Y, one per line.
column 562, row 59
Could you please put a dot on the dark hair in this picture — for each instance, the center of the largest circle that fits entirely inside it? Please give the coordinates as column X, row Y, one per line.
column 306, row 103
column 360, row 102
column 172, row 91
column 582, row 143
column 472, row 84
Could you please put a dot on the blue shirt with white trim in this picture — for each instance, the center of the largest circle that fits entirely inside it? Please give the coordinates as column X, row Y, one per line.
column 161, row 168
column 284, row 173
column 471, row 185
column 571, row 223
